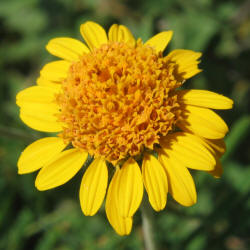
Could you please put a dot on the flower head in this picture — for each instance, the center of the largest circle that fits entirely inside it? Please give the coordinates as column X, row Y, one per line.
column 118, row 100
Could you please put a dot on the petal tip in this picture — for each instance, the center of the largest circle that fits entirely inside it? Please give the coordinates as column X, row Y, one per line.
column 20, row 170
column 171, row 33
column 38, row 186
column 230, row 103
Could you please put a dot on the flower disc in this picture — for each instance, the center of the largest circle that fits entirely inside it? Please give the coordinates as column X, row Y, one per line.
column 118, row 99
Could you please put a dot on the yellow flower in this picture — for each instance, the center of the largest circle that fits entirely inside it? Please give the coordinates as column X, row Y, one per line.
column 118, row 100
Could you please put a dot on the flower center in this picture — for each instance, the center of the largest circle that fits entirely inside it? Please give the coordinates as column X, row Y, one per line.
column 117, row 100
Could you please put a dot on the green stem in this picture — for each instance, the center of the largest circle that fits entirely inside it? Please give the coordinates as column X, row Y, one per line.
column 148, row 225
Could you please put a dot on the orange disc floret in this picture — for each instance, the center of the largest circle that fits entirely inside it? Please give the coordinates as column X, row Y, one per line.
column 118, row 99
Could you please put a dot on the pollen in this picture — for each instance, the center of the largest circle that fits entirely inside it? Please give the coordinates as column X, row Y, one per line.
column 118, row 100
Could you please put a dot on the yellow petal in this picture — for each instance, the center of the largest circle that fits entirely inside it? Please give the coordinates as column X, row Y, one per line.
column 41, row 81
column 130, row 188
column 189, row 149
column 55, row 71
column 93, row 34
column 121, row 225
column 36, row 120
column 120, row 33
column 218, row 170
column 37, row 94
column 93, row 187
column 67, row 48
column 39, row 153
column 41, row 116
column 155, row 182
column 204, row 98
column 218, row 146
column 61, row 169
column 203, row 122
column 113, row 33
column 38, row 109
column 160, row 41
column 186, row 61
column 181, row 184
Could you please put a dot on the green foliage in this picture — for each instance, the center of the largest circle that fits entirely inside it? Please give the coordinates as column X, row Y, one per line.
column 53, row 220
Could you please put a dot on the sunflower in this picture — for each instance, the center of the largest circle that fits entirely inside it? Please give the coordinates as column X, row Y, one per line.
column 117, row 102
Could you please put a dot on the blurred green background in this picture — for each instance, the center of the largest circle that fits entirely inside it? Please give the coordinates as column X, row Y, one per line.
column 30, row 219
